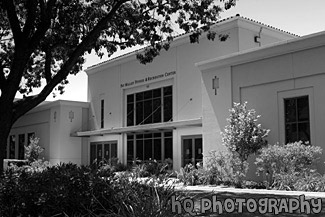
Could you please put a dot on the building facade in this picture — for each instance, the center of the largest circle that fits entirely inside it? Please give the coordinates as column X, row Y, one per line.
column 283, row 82
column 154, row 111
column 52, row 123
column 175, row 107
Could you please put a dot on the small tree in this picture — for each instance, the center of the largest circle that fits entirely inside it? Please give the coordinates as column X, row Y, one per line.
column 243, row 136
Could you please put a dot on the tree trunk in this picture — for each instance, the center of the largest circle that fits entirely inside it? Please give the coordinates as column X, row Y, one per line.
column 5, row 127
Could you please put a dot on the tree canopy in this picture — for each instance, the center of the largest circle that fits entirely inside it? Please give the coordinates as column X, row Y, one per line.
column 43, row 41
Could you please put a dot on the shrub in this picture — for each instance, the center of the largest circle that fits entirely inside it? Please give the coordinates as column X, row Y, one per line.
column 284, row 162
column 243, row 135
column 70, row 190
column 310, row 182
column 226, row 167
column 150, row 168
column 190, row 175
column 33, row 163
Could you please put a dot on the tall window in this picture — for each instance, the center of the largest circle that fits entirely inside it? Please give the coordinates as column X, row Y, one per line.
column 157, row 146
column 297, row 121
column 151, row 106
column 102, row 113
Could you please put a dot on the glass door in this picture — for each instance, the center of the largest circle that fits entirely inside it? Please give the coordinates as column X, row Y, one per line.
column 192, row 150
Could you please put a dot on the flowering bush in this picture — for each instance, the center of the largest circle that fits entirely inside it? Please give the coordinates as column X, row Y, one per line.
column 243, row 135
column 32, row 153
column 33, row 150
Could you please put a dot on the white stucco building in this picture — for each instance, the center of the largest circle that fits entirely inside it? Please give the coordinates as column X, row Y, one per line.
column 175, row 107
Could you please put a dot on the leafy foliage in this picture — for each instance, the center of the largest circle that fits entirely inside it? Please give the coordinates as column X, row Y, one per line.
column 243, row 135
column 33, row 150
column 285, row 163
column 190, row 175
column 42, row 42
column 150, row 168
column 228, row 167
column 54, row 33
column 70, row 190
column 221, row 168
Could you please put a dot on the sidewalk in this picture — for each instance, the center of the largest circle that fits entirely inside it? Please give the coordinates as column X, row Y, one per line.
column 221, row 189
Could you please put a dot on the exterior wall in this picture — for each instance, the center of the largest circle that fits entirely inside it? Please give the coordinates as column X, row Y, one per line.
column 52, row 123
column 64, row 147
column 295, row 74
column 38, row 123
column 263, row 78
column 248, row 31
column 113, row 80
column 216, row 104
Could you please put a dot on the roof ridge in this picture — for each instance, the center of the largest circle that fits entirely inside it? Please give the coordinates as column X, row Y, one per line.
column 272, row 27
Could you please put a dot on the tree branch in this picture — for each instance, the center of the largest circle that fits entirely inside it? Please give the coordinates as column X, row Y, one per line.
column 13, row 20
column 46, row 16
column 47, row 68
column 3, row 80
column 24, row 105
column 30, row 20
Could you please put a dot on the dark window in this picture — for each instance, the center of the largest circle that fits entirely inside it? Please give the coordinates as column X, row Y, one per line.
column 12, row 147
column 154, row 146
column 192, row 150
column 102, row 114
column 151, row 106
column 21, row 146
column 297, row 122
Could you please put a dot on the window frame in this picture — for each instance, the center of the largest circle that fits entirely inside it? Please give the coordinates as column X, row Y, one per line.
column 102, row 144
column 136, row 101
column 282, row 95
column 136, row 137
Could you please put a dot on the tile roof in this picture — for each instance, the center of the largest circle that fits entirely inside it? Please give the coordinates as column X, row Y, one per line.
column 182, row 34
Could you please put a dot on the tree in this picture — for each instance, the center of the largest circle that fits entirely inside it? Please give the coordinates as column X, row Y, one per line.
column 243, row 135
column 43, row 41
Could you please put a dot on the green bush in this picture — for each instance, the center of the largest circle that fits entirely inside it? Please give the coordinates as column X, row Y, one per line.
column 70, row 190
column 285, row 162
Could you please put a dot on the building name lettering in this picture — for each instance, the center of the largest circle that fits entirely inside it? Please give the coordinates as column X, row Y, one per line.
column 147, row 79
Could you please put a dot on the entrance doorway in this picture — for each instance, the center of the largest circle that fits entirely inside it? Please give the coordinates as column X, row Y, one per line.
column 192, row 150
column 103, row 151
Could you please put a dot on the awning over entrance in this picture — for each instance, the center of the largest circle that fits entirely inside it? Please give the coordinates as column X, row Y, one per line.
column 142, row 128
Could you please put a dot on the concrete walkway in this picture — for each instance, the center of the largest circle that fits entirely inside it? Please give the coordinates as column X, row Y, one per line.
column 221, row 189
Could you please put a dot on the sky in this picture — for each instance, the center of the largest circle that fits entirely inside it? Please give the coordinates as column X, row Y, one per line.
column 301, row 17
